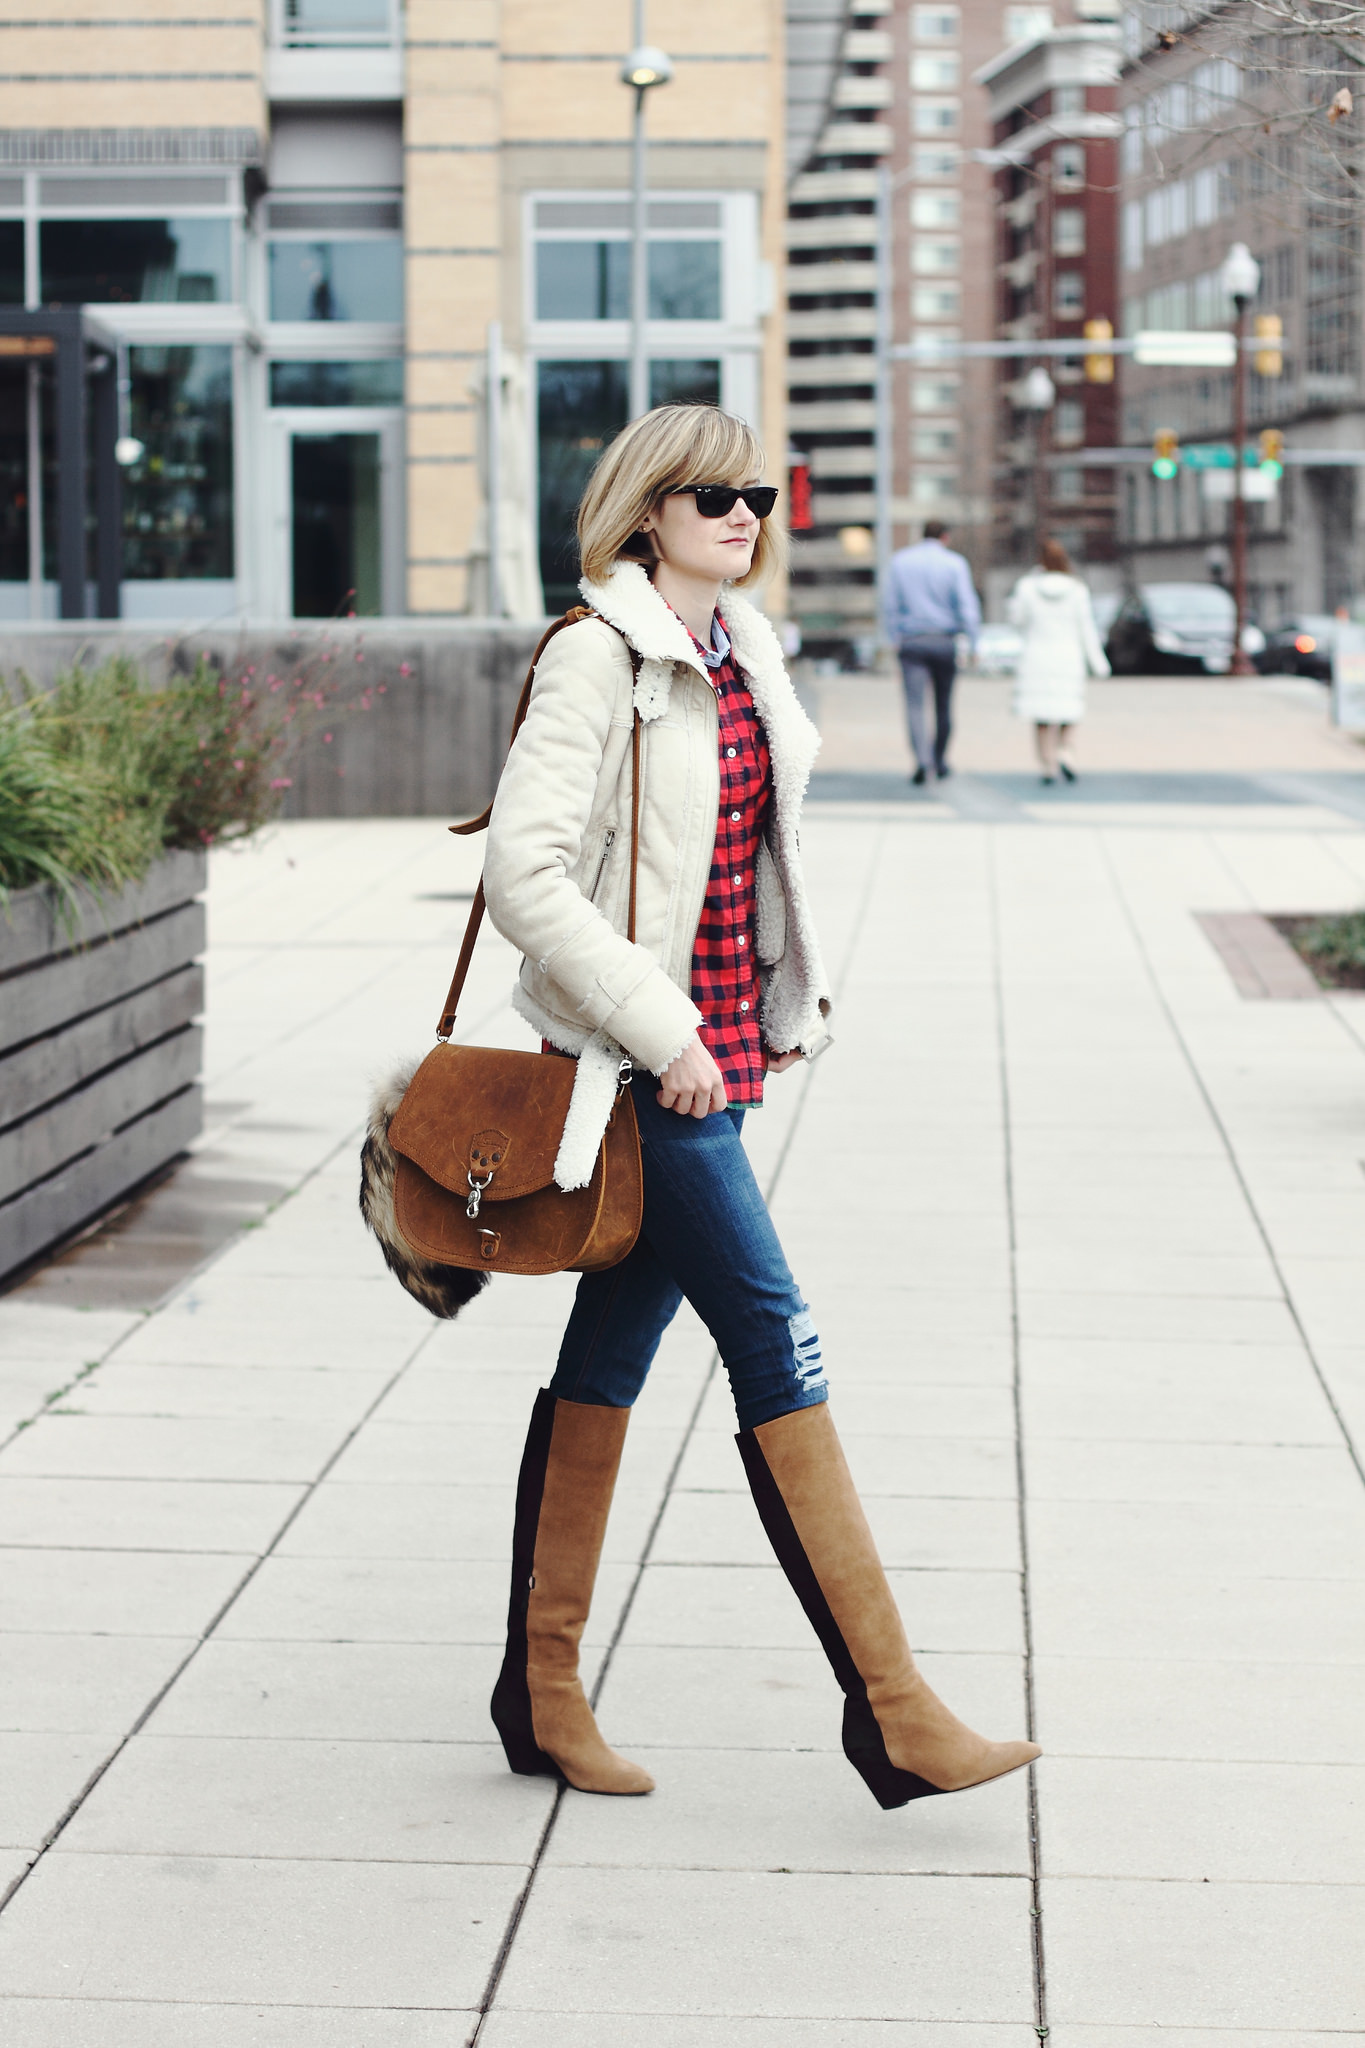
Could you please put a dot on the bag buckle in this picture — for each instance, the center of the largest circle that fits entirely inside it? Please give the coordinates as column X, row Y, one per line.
column 476, row 1188
column 625, row 1074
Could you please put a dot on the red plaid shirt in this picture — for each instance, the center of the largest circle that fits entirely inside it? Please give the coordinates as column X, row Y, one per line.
column 724, row 972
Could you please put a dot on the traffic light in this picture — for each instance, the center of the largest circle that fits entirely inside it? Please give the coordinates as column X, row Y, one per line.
column 1269, row 332
column 1271, row 445
column 1099, row 369
column 1165, row 453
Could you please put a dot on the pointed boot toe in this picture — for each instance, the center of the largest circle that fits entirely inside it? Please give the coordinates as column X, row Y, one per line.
column 899, row 1736
column 566, row 1732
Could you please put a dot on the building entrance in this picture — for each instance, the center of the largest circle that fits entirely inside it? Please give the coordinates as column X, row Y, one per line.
column 334, row 489
column 340, row 518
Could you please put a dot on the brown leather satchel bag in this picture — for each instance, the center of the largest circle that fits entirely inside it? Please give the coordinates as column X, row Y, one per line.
column 457, row 1169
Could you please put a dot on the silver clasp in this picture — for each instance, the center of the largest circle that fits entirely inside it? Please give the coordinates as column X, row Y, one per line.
column 625, row 1074
column 476, row 1188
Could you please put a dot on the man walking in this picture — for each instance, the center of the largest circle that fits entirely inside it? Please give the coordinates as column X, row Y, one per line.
column 928, row 600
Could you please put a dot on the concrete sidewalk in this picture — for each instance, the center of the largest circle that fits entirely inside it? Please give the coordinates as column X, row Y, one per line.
column 1081, row 1227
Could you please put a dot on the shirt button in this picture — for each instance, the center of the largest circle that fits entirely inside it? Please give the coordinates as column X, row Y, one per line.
column 734, row 817
column 734, row 881
column 744, row 1006
column 741, row 938
column 729, row 753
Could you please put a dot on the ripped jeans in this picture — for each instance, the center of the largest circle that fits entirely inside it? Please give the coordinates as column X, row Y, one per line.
column 707, row 1235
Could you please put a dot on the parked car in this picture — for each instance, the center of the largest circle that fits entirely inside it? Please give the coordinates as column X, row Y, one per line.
column 1165, row 628
column 997, row 651
column 1301, row 646
column 1105, row 605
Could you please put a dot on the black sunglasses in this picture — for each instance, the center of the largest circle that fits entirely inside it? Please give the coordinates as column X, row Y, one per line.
column 714, row 501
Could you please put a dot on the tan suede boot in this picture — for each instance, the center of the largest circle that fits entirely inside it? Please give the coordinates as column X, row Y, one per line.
column 897, row 1733
column 568, row 1475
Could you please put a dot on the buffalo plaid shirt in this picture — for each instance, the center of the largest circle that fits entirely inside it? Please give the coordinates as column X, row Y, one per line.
column 724, row 973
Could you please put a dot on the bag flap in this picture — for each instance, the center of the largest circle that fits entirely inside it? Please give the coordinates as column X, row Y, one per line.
column 483, row 1110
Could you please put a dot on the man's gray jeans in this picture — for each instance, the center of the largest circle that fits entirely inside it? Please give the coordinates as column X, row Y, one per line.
column 930, row 658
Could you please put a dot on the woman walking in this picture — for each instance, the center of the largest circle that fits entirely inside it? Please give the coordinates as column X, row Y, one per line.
column 723, row 985
column 1051, row 607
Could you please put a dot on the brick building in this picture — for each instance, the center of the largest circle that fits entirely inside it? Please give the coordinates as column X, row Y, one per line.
column 1196, row 178
column 296, row 220
column 1055, row 135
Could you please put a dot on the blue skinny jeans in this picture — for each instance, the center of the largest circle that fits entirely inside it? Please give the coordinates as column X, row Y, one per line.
column 707, row 1236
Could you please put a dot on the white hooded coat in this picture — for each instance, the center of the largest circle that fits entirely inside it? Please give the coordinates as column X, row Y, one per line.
column 1061, row 647
column 557, row 869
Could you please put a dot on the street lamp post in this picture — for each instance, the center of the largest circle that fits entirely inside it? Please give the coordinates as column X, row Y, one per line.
column 1241, row 278
column 643, row 69
column 1040, row 395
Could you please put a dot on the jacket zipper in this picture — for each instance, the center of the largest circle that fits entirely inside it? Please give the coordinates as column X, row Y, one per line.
column 602, row 864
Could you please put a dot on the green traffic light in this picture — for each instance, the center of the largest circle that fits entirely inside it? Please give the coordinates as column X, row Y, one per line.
column 1165, row 467
column 1272, row 469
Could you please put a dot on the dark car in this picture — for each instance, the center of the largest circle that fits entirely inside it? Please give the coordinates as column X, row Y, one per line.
column 1181, row 628
column 1301, row 646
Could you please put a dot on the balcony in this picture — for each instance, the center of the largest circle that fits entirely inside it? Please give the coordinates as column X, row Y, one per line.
column 833, row 323
column 336, row 50
column 803, row 279
column 856, row 138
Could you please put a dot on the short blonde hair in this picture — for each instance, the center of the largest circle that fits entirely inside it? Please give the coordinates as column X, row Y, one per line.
column 662, row 451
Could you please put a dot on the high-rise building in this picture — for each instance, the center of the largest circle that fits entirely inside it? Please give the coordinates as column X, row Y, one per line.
column 1199, row 173
column 896, row 196
column 294, row 221
column 1055, row 143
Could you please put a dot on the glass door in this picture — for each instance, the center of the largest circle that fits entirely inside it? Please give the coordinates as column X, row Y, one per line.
column 335, row 526
column 339, row 522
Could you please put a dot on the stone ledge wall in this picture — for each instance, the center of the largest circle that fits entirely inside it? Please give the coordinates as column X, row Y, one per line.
column 431, row 747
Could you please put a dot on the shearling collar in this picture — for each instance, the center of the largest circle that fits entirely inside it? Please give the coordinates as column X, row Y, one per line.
column 627, row 600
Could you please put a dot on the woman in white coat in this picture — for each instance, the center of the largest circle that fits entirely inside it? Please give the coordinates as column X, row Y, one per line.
column 1051, row 608
column 720, row 986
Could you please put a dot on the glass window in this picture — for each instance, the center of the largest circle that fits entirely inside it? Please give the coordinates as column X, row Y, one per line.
column 13, row 471
column 1068, row 100
column 684, row 382
column 935, row 259
column 684, row 280
column 1068, row 294
column 127, row 262
column 935, row 209
column 334, row 481
column 936, row 442
column 11, row 263
column 337, row 280
column 378, row 383
column 937, row 394
column 1022, row 24
column 936, row 302
column 1068, row 165
column 1130, row 234
column 177, row 499
column 936, row 24
column 1068, row 421
column 1068, row 231
column 580, row 408
column 591, row 280
column 935, row 117
column 937, row 163
column 583, row 280
column 335, row 21
column 936, row 74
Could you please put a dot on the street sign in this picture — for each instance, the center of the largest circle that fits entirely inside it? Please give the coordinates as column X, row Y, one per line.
column 1218, row 455
column 27, row 345
column 1219, row 486
column 1212, row 349
column 1348, row 676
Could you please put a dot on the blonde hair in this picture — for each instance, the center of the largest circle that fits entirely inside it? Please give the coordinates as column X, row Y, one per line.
column 662, row 451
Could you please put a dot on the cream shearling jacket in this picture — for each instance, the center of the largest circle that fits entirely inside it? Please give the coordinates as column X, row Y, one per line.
column 556, row 873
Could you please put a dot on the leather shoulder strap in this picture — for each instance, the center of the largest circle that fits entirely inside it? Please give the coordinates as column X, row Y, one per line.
column 480, row 824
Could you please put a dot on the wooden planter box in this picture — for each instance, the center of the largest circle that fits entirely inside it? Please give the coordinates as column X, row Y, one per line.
column 99, row 1051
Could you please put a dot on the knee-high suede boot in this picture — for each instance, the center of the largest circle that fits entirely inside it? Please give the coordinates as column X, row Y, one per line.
column 897, row 1733
column 568, row 1474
